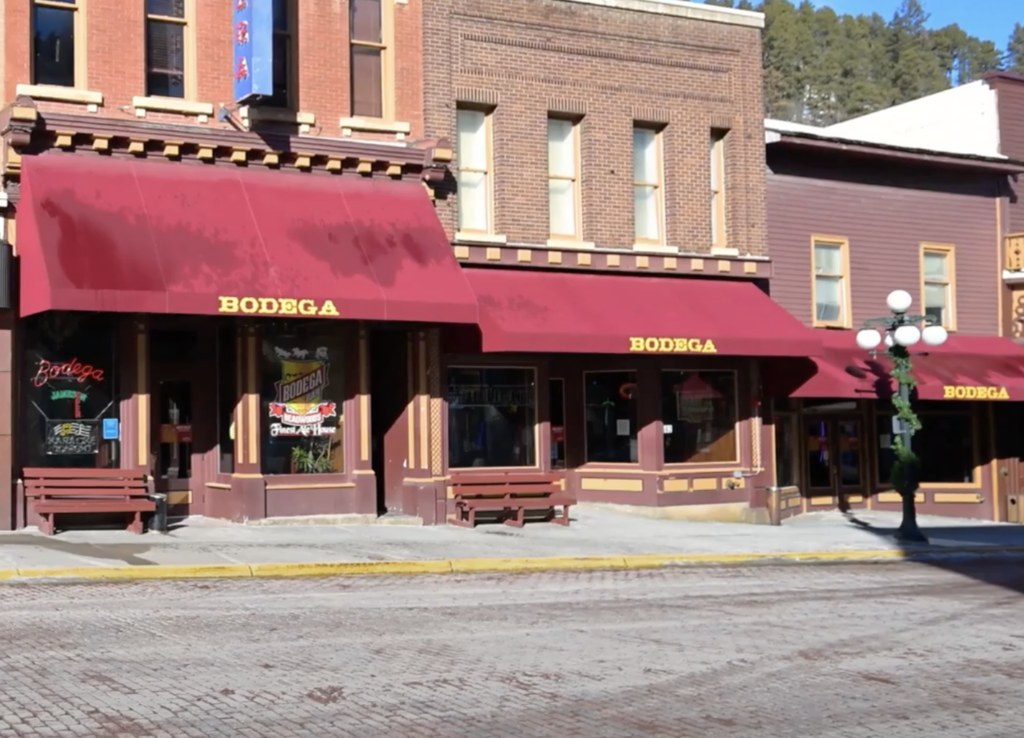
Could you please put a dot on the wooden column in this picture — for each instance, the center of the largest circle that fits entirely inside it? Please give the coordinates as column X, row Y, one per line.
column 8, row 502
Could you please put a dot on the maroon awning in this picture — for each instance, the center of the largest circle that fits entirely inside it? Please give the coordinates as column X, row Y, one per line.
column 963, row 368
column 152, row 237
column 563, row 312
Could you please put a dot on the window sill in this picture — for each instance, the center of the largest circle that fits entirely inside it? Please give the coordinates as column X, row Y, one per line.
column 723, row 251
column 654, row 248
column 277, row 115
column 60, row 94
column 373, row 125
column 487, row 238
column 172, row 105
column 569, row 244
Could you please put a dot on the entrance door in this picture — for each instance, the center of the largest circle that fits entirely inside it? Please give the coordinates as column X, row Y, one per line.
column 389, row 377
column 835, row 462
column 173, row 370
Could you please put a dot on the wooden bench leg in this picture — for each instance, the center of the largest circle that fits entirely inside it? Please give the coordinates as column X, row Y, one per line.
column 518, row 520
column 46, row 523
column 136, row 524
column 564, row 519
column 460, row 520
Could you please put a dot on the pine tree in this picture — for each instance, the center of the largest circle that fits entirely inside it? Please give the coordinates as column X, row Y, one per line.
column 1014, row 59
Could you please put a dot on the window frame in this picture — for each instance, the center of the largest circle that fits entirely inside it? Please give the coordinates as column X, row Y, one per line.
column 636, row 429
column 719, row 233
column 574, row 123
column 659, row 185
column 488, row 114
column 977, row 463
column 77, row 7
column 846, row 317
column 537, row 464
column 948, row 252
column 291, row 105
column 736, row 462
column 386, row 47
column 189, row 75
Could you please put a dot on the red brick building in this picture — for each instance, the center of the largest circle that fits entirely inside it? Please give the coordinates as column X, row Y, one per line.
column 173, row 254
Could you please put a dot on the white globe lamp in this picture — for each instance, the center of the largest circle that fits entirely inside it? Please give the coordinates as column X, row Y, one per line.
column 868, row 338
column 907, row 335
column 899, row 301
column 888, row 340
column 934, row 335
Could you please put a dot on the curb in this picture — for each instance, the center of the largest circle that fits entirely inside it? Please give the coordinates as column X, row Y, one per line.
column 479, row 566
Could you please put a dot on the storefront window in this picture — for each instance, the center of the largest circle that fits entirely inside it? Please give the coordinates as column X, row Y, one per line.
column 71, row 406
column 698, row 415
column 491, row 417
column 301, row 399
column 944, row 444
column 611, row 417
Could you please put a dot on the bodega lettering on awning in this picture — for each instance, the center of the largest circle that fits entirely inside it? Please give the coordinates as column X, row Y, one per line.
column 671, row 346
column 275, row 306
column 960, row 392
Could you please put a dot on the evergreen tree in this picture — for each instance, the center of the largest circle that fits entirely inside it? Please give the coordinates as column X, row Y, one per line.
column 1014, row 59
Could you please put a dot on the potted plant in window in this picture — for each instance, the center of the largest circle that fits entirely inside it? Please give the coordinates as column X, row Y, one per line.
column 316, row 459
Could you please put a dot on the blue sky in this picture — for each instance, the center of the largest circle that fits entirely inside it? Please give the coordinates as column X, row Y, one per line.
column 986, row 19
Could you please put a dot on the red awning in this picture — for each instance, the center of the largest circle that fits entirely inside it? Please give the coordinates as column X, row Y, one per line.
column 135, row 236
column 963, row 368
column 563, row 312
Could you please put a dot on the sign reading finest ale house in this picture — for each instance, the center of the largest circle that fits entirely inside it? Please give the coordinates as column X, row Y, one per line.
column 299, row 407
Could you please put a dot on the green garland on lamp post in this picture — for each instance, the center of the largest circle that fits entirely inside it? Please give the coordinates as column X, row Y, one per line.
column 903, row 331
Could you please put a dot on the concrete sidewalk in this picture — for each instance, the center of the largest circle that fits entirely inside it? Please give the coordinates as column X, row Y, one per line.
column 596, row 539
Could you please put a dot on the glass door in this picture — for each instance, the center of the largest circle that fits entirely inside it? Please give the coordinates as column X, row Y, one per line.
column 835, row 461
column 173, row 355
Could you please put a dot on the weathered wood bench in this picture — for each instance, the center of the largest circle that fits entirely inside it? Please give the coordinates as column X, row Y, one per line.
column 512, row 495
column 48, row 492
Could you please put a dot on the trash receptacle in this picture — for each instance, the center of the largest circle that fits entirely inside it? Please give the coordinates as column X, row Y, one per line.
column 158, row 521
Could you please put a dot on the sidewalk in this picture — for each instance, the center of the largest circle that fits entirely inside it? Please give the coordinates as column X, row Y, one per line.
column 596, row 539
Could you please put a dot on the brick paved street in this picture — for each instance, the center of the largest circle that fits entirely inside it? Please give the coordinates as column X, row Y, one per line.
column 825, row 651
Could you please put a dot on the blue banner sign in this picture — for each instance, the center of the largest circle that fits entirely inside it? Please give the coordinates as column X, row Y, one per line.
column 111, row 429
column 253, row 58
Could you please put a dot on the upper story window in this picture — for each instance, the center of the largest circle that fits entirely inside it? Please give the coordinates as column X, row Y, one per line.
column 647, row 186
column 368, row 58
column 474, row 165
column 55, row 31
column 831, row 285
column 938, row 284
column 166, row 29
column 284, row 74
column 717, row 151
column 563, row 179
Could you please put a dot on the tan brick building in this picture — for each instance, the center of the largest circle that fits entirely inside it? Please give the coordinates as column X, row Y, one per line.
column 607, row 197
column 688, row 73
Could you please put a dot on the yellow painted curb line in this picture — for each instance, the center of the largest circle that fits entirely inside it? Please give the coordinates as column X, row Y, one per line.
column 472, row 566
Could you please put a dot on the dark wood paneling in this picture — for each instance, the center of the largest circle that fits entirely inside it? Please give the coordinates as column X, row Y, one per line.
column 1010, row 102
column 885, row 214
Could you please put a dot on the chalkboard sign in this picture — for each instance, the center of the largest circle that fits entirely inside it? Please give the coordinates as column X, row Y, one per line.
column 72, row 437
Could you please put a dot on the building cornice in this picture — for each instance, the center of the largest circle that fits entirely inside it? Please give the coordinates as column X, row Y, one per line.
column 682, row 9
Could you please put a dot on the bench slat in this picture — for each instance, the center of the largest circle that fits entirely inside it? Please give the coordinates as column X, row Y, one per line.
column 503, row 490
column 85, row 483
column 33, row 472
column 58, row 506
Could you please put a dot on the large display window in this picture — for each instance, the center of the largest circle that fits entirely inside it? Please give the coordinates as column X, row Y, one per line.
column 301, row 401
column 699, row 416
column 492, row 417
column 945, row 445
column 69, row 391
column 611, row 416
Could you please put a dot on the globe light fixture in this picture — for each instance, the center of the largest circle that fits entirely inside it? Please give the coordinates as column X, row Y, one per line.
column 868, row 338
column 907, row 335
column 899, row 301
column 889, row 342
column 934, row 335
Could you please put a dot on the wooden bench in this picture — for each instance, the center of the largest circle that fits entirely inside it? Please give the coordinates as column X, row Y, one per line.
column 511, row 495
column 48, row 492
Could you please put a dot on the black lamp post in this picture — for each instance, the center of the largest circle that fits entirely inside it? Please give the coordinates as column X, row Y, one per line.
column 902, row 331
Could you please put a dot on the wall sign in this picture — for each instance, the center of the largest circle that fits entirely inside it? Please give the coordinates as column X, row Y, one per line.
column 253, row 45
column 671, row 346
column 299, row 406
column 274, row 306
column 69, row 370
column 71, row 437
column 959, row 392
column 111, row 429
